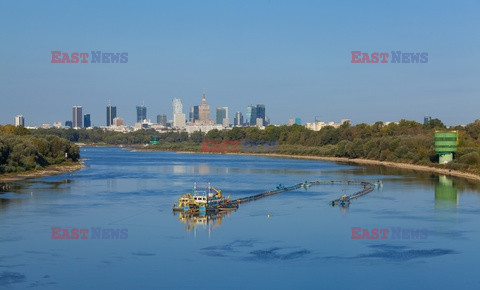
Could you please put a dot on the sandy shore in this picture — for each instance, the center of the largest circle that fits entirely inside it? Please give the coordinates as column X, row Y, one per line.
column 50, row 170
column 383, row 163
column 408, row 166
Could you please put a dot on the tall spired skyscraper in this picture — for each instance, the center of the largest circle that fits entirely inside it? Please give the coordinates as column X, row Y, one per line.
column 111, row 114
column 204, row 113
column 77, row 117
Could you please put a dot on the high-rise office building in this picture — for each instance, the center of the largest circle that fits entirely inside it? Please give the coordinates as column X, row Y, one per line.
column 68, row 124
column 177, row 106
column 251, row 116
column 77, row 117
column 204, row 113
column 238, row 120
column 162, row 120
column 260, row 111
column 193, row 115
column 19, row 120
column 86, row 121
column 221, row 113
column 141, row 113
column 111, row 114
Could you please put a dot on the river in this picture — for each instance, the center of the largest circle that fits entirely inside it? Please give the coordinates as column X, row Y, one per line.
column 293, row 240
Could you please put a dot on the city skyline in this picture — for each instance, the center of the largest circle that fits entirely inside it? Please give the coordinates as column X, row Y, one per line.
column 298, row 68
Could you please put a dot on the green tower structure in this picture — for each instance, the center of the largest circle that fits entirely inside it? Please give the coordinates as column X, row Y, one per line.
column 445, row 145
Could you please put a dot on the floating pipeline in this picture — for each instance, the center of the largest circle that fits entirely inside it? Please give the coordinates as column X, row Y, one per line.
column 344, row 200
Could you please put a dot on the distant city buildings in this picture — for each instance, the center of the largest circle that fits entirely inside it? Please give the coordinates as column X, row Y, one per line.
column 298, row 121
column 68, row 124
column 253, row 113
column 221, row 114
column 141, row 113
column 57, row 125
column 291, row 121
column 111, row 114
column 77, row 117
column 117, row 122
column 194, row 115
column 238, row 120
column 19, row 121
column 86, row 121
column 318, row 125
column 179, row 120
column 162, row 120
column 426, row 119
column 204, row 113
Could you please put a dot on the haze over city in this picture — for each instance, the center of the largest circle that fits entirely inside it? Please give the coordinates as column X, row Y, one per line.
column 293, row 57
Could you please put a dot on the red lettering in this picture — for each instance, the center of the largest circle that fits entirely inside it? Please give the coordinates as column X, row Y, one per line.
column 75, row 57
column 83, row 232
column 355, row 56
column 224, row 145
column 234, row 145
column 205, row 145
column 384, row 56
column 374, row 234
column 55, row 55
column 365, row 234
column 355, row 232
column 65, row 58
column 375, row 57
column 84, row 55
column 384, row 233
column 55, row 231
column 365, row 58
column 74, row 234
column 65, row 234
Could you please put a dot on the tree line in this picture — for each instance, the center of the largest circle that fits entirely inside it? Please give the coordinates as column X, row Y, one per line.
column 20, row 150
column 404, row 141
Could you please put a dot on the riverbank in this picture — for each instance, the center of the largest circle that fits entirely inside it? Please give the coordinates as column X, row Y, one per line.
column 408, row 166
column 47, row 171
column 424, row 168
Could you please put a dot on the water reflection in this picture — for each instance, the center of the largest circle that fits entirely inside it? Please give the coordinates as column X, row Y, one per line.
column 445, row 193
column 208, row 221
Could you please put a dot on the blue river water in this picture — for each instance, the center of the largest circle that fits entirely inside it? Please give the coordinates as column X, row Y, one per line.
column 293, row 240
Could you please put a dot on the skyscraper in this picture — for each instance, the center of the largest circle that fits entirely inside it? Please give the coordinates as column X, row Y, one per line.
column 261, row 113
column 111, row 114
column 141, row 113
column 177, row 106
column 68, row 124
column 162, row 120
column 204, row 113
column 251, row 116
column 86, row 121
column 77, row 117
column 238, row 120
column 221, row 113
column 19, row 120
column 193, row 116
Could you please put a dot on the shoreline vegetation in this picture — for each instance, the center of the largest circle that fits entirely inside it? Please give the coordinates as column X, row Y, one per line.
column 24, row 155
column 369, row 162
column 47, row 171
column 406, row 144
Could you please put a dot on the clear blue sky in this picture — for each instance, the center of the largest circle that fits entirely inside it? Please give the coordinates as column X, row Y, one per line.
column 292, row 56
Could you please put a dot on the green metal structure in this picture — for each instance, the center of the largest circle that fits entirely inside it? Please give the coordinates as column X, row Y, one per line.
column 445, row 145
column 154, row 140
